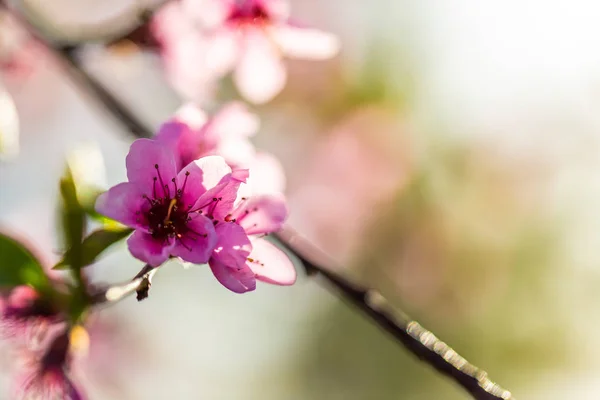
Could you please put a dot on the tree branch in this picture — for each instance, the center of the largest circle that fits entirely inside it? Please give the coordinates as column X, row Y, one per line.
column 410, row 334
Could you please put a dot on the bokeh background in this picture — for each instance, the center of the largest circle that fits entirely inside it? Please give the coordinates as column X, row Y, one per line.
column 448, row 157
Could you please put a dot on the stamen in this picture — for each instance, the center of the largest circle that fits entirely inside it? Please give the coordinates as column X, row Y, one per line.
column 216, row 201
column 160, row 179
column 180, row 192
column 149, row 201
column 154, row 187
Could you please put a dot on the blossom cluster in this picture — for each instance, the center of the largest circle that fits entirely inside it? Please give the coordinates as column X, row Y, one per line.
column 185, row 201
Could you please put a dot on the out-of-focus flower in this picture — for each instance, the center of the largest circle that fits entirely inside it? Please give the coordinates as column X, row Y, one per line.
column 192, row 134
column 250, row 37
column 19, row 53
column 183, row 51
column 26, row 314
column 358, row 167
column 9, row 126
column 46, row 373
column 241, row 255
column 161, row 203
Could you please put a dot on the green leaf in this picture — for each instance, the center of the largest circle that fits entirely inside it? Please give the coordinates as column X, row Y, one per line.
column 73, row 220
column 94, row 245
column 18, row 266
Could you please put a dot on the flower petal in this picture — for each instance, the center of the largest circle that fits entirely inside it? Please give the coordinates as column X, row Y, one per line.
column 260, row 74
column 233, row 246
column 234, row 120
column 184, row 60
column 277, row 9
column 304, row 43
column 222, row 50
column 219, row 201
column 193, row 246
column 262, row 214
column 122, row 202
column 267, row 176
column 143, row 158
column 238, row 281
column 270, row 264
column 144, row 247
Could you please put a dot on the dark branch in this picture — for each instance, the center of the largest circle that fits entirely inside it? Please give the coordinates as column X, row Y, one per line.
column 419, row 341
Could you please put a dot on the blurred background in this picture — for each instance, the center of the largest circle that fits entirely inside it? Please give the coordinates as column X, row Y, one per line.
column 449, row 157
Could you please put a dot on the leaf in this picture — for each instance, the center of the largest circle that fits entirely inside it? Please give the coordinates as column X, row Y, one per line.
column 18, row 266
column 73, row 220
column 94, row 245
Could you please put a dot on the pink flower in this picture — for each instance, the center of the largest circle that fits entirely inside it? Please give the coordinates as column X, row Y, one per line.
column 182, row 48
column 241, row 255
column 249, row 37
column 162, row 203
column 46, row 375
column 192, row 134
column 26, row 314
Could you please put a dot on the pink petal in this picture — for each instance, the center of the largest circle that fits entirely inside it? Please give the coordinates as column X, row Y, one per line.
column 310, row 44
column 222, row 50
column 197, row 177
column 235, row 121
column 262, row 214
column 230, row 128
column 214, row 168
column 143, row 158
column 233, row 246
column 238, row 281
column 260, row 74
column 191, row 115
column 270, row 264
column 193, row 246
column 277, row 9
column 185, row 66
column 184, row 134
column 144, row 247
column 122, row 202
column 267, row 176
column 210, row 13
column 219, row 201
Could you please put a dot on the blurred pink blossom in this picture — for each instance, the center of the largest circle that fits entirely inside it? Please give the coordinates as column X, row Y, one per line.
column 250, row 38
column 183, row 51
column 193, row 134
column 46, row 372
column 25, row 314
column 19, row 53
column 353, row 171
column 162, row 203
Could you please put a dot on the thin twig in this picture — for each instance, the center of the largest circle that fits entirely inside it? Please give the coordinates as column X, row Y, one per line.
column 139, row 284
column 416, row 339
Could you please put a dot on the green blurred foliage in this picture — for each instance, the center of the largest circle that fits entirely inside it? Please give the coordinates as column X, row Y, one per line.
column 94, row 245
column 18, row 266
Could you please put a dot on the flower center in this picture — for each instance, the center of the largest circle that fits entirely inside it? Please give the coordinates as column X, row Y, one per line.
column 249, row 11
column 168, row 216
